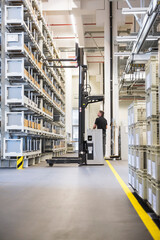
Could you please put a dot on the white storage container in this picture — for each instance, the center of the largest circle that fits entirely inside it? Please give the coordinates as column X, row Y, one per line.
column 152, row 103
column 130, row 176
column 140, row 134
column 14, row 15
column 141, row 159
column 136, row 112
column 152, row 132
column 155, row 158
column 131, row 137
column 14, row 68
column 142, row 186
column 149, row 163
column 129, row 156
column 151, row 73
column 149, row 191
column 153, row 164
column 14, row 41
column 156, row 198
column 14, row 121
column 133, row 179
column 136, row 182
column 13, row 147
column 133, row 158
column 14, row 94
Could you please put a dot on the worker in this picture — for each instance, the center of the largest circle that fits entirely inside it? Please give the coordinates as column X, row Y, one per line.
column 101, row 123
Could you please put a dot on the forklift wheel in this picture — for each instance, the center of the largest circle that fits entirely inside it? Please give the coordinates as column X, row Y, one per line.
column 51, row 164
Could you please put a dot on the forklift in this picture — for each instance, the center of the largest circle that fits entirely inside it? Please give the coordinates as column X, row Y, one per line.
column 88, row 151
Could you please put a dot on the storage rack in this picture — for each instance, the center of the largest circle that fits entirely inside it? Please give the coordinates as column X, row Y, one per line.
column 144, row 162
column 34, row 89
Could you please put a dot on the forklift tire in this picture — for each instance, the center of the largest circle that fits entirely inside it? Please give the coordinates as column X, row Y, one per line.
column 51, row 164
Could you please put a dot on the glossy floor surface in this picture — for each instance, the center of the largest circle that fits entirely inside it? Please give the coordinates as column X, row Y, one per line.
column 67, row 203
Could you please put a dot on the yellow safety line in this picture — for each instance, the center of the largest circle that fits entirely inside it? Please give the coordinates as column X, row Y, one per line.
column 146, row 219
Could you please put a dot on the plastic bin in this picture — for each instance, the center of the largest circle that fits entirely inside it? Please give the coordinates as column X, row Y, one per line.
column 151, row 73
column 14, row 68
column 156, row 198
column 141, row 163
column 133, row 158
column 14, row 14
column 149, row 191
column 133, row 178
column 152, row 103
column 142, row 185
column 140, row 134
column 153, row 163
column 136, row 112
column 152, row 132
column 131, row 138
column 130, row 175
column 14, row 41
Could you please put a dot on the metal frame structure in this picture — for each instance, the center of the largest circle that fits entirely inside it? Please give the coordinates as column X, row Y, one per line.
column 33, row 93
column 145, row 27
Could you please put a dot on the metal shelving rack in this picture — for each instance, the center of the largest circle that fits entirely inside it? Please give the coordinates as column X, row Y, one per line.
column 34, row 87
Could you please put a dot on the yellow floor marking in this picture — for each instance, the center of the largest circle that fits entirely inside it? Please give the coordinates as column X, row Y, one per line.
column 146, row 219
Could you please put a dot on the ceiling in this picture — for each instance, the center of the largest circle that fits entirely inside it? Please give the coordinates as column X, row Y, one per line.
column 83, row 21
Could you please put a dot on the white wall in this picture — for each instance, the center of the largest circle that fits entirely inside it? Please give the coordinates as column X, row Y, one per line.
column 123, row 123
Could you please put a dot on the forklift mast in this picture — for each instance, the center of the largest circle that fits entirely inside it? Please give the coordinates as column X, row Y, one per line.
column 84, row 100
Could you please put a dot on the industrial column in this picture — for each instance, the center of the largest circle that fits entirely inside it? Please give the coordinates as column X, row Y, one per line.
column 107, row 75
column 115, row 86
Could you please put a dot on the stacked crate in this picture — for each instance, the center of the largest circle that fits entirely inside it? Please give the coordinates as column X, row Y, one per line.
column 137, row 148
column 153, row 147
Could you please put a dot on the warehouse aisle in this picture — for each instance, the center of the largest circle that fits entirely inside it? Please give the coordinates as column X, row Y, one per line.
column 67, row 203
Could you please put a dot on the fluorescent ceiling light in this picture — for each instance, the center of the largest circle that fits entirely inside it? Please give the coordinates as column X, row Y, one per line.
column 122, row 54
column 126, row 38
column 134, row 10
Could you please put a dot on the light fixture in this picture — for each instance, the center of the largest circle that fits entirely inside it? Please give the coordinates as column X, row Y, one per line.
column 122, row 54
column 126, row 38
column 134, row 11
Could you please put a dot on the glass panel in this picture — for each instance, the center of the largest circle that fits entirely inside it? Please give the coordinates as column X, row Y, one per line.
column 75, row 133
column 75, row 117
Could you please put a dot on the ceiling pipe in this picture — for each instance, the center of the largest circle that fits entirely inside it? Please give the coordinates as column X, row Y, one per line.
column 68, row 24
column 94, row 56
column 89, row 24
column 95, row 61
column 61, row 38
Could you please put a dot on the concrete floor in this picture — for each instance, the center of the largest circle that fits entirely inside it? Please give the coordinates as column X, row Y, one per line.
column 67, row 203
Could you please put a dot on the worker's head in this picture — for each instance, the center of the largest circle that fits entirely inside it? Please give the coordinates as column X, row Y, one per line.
column 100, row 113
